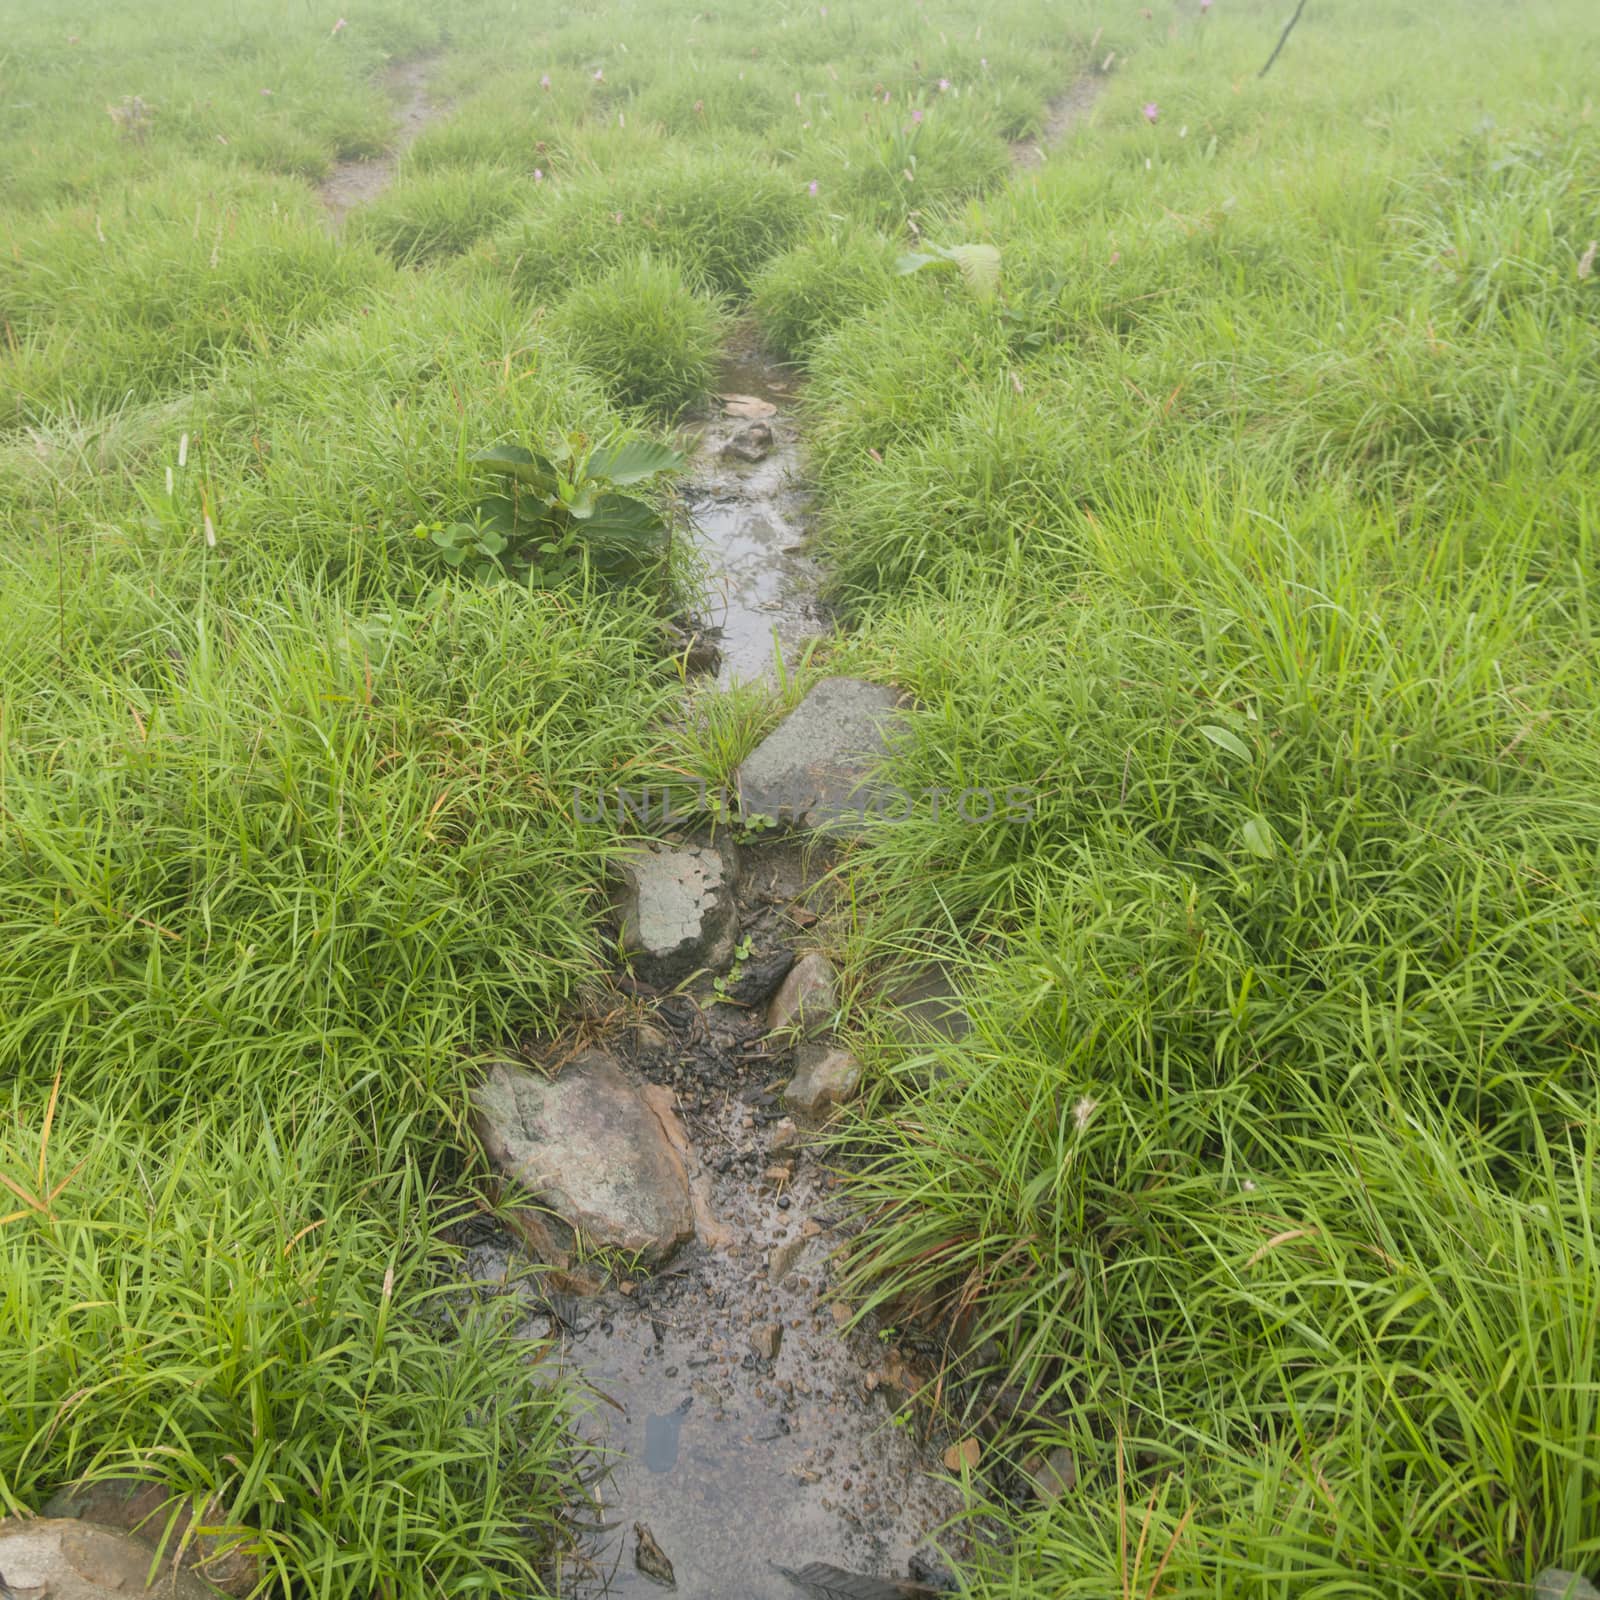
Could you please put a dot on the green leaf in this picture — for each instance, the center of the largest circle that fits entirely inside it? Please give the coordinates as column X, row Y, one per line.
column 620, row 519
column 979, row 265
column 498, row 511
column 1226, row 739
column 492, row 542
column 1259, row 838
column 582, row 503
column 521, row 464
column 633, row 461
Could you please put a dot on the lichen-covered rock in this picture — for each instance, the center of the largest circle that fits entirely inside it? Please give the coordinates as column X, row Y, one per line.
column 678, row 911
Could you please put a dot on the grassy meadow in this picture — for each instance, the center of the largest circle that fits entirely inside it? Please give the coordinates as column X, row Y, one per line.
column 1253, row 525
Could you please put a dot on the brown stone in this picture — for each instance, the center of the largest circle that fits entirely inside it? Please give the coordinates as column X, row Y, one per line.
column 1052, row 1475
column 807, row 997
column 826, row 1078
column 63, row 1558
column 135, row 1505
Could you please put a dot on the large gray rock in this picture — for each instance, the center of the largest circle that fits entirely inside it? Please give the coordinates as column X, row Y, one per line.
column 134, row 1505
column 816, row 768
column 678, row 911
column 61, row 1558
column 590, row 1148
column 1555, row 1583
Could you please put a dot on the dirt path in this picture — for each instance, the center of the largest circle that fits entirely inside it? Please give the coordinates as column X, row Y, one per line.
column 1063, row 114
column 354, row 183
column 738, row 1428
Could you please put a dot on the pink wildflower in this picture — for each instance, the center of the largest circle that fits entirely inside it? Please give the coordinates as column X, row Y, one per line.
column 1151, row 111
column 340, row 25
column 544, row 81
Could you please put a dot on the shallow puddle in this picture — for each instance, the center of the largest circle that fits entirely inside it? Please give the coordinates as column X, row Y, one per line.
column 751, row 521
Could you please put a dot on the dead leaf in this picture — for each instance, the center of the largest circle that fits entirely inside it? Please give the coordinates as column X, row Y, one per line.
column 961, row 1455
column 822, row 1581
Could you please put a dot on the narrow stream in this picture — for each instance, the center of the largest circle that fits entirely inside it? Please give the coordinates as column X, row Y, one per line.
column 742, row 1428
column 737, row 1427
column 737, row 1419
column 750, row 510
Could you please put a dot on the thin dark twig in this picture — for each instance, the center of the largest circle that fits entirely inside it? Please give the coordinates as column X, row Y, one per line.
column 1283, row 39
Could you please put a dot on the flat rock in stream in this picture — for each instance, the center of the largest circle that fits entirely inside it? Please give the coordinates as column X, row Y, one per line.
column 61, row 1558
column 816, row 768
column 592, row 1151
column 678, row 911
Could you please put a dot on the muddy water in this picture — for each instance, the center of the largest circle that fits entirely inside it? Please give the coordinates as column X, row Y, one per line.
column 353, row 183
column 751, row 524
column 737, row 1464
column 738, row 1461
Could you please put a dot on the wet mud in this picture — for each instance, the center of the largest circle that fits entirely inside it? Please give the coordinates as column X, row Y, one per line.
column 733, row 1412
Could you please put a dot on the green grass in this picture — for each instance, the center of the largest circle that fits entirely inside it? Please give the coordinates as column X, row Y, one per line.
column 1251, row 527
column 438, row 213
column 256, row 1311
column 1253, row 530
column 717, row 217
column 646, row 333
